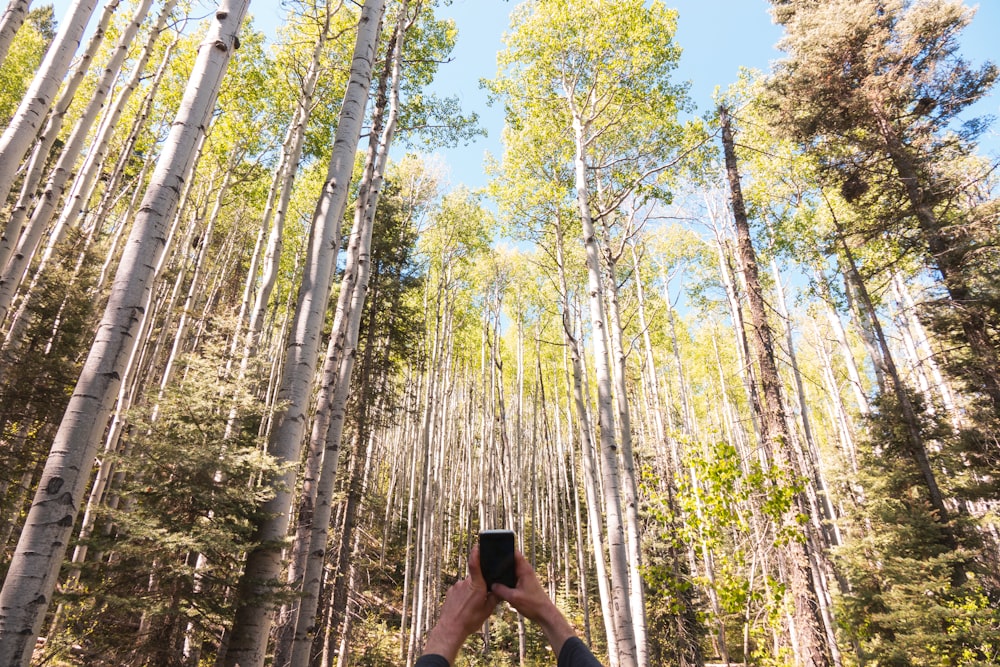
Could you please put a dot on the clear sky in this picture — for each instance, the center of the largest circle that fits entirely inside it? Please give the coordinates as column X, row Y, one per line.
column 717, row 37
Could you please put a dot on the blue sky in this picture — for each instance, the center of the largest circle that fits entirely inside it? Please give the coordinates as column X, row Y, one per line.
column 708, row 31
column 717, row 37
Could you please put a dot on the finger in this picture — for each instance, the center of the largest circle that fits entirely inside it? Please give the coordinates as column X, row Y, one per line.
column 503, row 592
column 474, row 570
column 521, row 564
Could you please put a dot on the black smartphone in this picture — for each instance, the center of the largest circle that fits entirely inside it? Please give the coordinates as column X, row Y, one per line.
column 496, row 557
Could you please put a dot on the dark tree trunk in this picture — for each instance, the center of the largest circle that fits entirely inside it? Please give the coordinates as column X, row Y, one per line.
column 808, row 630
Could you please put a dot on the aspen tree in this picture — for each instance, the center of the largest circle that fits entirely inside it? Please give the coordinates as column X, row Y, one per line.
column 38, row 160
column 10, row 23
column 27, row 121
column 248, row 638
column 328, row 423
column 601, row 88
column 86, row 179
column 34, row 569
column 56, row 186
column 913, row 437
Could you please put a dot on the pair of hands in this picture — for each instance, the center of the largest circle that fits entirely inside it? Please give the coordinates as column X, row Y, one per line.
column 468, row 604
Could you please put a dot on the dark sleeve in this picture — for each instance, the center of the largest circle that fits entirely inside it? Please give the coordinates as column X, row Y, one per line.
column 431, row 660
column 574, row 653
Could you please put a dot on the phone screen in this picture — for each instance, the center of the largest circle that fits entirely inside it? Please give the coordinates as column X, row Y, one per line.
column 496, row 557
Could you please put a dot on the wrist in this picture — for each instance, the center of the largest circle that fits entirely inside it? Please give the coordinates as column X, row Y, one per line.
column 445, row 641
column 556, row 628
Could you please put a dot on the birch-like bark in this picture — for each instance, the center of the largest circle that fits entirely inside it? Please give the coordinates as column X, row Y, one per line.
column 11, row 21
column 252, row 623
column 845, row 347
column 328, row 425
column 637, row 594
column 12, row 274
column 39, row 158
column 618, row 549
column 587, row 455
column 688, row 651
column 914, row 438
column 34, row 568
column 284, row 179
column 267, row 266
column 27, row 121
column 87, row 176
column 924, row 354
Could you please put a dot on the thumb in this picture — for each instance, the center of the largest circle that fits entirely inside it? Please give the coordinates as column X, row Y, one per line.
column 505, row 593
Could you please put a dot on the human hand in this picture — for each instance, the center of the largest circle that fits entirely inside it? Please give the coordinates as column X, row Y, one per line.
column 531, row 600
column 466, row 607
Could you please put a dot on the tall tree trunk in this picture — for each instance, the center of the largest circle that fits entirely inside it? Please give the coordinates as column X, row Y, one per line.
column 34, row 569
column 248, row 639
column 947, row 257
column 621, row 608
column 587, row 455
column 11, row 21
column 87, row 176
column 56, row 186
column 283, row 181
column 688, row 651
column 808, row 626
column 924, row 354
column 332, row 401
column 37, row 101
column 914, row 439
column 637, row 593
column 39, row 158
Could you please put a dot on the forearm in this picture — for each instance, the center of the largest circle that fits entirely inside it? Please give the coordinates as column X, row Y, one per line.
column 445, row 641
column 556, row 628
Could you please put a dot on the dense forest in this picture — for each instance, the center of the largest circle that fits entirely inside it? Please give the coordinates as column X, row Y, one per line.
column 733, row 378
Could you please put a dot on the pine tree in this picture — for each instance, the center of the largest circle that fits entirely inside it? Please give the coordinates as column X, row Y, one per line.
column 876, row 89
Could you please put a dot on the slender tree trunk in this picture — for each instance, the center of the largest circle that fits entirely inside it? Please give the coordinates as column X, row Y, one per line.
column 252, row 624
column 87, row 177
column 688, row 651
column 39, row 158
column 914, row 439
column 637, row 593
column 56, row 186
column 845, row 348
column 11, row 21
column 948, row 258
column 34, row 569
column 315, row 457
column 329, row 423
column 807, row 624
column 924, row 355
column 587, row 457
column 621, row 608
column 26, row 123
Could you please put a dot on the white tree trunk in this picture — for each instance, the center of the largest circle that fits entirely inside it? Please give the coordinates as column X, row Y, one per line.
column 621, row 608
column 37, row 101
column 252, row 623
column 586, row 455
column 637, row 595
column 333, row 394
column 39, row 158
column 83, row 186
column 56, row 186
column 34, row 568
column 11, row 21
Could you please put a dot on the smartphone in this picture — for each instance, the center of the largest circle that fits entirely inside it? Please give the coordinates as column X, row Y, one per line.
column 496, row 557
